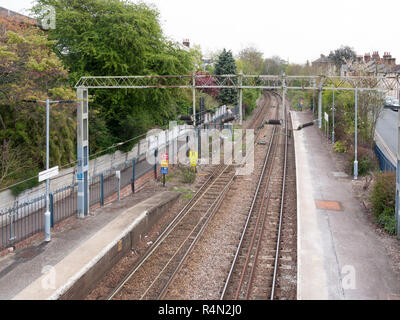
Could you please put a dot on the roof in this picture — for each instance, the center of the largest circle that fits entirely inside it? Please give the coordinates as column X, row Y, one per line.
column 322, row 59
column 22, row 18
column 395, row 69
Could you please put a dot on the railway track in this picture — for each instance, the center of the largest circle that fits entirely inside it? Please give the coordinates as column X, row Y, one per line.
column 259, row 264
column 152, row 274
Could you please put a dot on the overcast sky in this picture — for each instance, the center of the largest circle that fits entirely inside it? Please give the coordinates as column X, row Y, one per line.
column 295, row 30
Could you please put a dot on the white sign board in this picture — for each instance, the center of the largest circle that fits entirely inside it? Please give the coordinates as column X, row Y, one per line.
column 47, row 174
column 326, row 117
column 118, row 174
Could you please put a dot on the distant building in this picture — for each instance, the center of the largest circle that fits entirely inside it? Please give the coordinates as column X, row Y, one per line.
column 186, row 44
column 17, row 16
column 373, row 65
column 370, row 65
column 324, row 65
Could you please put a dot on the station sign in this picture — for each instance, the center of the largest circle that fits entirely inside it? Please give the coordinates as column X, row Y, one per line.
column 164, row 170
column 164, row 160
column 47, row 174
column 193, row 158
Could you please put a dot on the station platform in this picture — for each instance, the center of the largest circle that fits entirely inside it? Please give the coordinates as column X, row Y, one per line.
column 68, row 265
column 340, row 255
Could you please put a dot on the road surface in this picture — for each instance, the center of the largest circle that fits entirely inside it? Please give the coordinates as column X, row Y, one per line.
column 387, row 129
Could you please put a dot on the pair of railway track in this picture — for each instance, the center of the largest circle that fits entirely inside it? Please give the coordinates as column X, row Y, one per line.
column 254, row 269
column 153, row 273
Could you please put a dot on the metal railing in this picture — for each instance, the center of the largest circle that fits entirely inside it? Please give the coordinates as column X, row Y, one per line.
column 384, row 163
column 26, row 218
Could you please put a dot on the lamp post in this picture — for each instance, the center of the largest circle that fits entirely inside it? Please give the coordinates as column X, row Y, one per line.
column 355, row 138
column 397, row 213
column 320, row 104
column 333, row 116
column 47, row 214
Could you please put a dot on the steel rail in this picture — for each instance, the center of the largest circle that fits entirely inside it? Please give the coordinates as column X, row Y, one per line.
column 280, row 218
column 183, row 242
column 210, row 216
column 260, row 217
column 250, row 283
column 227, row 281
column 171, row 226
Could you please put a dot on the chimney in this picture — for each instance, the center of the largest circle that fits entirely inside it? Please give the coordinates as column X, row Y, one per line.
column 367, row 57
column 387, row 59
column 376, row 56
column 186, row 43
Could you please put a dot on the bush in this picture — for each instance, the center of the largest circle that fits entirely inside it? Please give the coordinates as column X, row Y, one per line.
column 383, row 200
column 367, row 161
column 188, row 175
column 21, row 187
column 340, row 147
column 387, row 221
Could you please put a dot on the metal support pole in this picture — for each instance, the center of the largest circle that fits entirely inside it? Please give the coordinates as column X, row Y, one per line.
column 155, row 163
column 240, row 98
column 320, row 105
column 313, row 105
column 173, row 158
column 133, row 175
column 83, row 152
column 187, row 146
column 47, row 214
column 355, row 139
column 198, row 131
column 119, row 187
column 284, row 100
column 333, row 117
column 397, row 213
column 102, row 189
column 194, row 99
column 51, row 199
column 11, row 216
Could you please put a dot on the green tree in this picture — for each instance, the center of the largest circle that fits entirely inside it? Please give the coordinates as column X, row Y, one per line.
column 251, row 60
column 274, row 66
column 226, row 65
column 116, row 37
column 30, row 70
column 341, row 56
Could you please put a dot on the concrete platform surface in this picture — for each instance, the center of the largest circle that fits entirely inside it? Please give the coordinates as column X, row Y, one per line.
column 340, row 255
column 79, row 254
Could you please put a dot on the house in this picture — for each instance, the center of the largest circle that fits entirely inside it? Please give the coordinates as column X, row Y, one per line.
column 324, row 65
column 186, row 45
column 9, row 14
column 369, row 65
column 373, row 65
